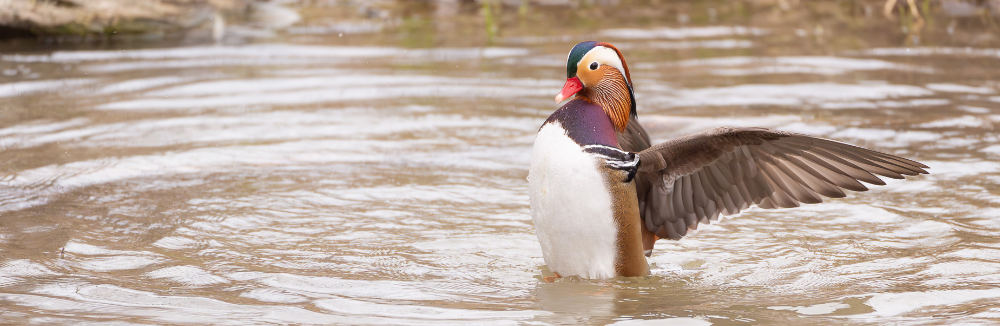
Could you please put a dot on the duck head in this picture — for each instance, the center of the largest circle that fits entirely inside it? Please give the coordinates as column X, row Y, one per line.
column 596, row 72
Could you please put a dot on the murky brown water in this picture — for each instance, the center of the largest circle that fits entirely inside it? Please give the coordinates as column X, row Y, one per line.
column 361, row 180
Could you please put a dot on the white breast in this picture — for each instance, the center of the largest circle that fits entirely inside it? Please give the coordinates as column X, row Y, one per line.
column 571, row 207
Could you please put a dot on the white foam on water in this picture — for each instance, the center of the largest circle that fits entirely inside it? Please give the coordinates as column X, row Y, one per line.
column 934, row 51
column 176, row 243
column 843, row 63
column 849, row 105
column 887, row 137
column 949, row 170
column 57, row 132
column 65, row 177
column 187, row 275
column 965, row 121
column 881, row 265
column 913, row 185
column 328, row 95
column 991, row 314
column 811, row 128
column 138, row 84
column 272, row 295
column 76, row 247
column 972, row 109
column 79, row 298
column 895, row 304
column 816, row 309
column 823, row 65
column 678, row 321
column 926, row 229
column 871, row 105
column 786, row 95
column 719, row 61
column 956, row 143
column 920, row 102
column 839, row 212
column 319, row 286
column 37, row 129
column 365, row 308
column 958, row 88
column 963, row 268
column 519, row 254
column 702, row 44
column 978, row 254
column 775, row 70
column 992, row 149
column 331, row 82
column 457, row 194
column 84, row 173
column 117, row 263
column 24, row 268
column 29, row 87
column 348, row 123
column 682, row 125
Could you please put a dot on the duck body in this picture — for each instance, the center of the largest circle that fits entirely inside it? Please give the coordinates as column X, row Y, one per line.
column 584, row 211
column 601, row 195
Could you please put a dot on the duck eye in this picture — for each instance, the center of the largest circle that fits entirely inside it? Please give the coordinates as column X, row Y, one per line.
column 594, row 65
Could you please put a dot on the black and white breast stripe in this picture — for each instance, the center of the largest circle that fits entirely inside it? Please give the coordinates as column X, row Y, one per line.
column 616, row 159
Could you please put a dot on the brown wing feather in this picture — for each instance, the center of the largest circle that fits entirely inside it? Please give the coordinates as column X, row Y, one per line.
column 694, row 179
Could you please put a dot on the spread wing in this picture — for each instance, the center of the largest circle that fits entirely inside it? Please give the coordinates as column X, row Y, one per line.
column 693, row 179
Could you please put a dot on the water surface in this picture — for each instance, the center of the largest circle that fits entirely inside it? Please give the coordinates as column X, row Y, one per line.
column 314, row 179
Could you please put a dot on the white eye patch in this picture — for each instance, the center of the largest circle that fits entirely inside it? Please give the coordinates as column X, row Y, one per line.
column 605, row 56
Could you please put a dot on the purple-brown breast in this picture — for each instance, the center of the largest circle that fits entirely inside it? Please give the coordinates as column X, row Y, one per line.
column 586, row 123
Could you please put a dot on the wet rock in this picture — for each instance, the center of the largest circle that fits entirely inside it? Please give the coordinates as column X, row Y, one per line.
column 83, row 17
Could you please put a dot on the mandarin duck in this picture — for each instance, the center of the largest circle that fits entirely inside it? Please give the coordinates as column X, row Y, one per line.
column 601, row 195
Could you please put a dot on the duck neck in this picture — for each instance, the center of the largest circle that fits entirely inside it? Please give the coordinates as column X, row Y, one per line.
column 615, row 97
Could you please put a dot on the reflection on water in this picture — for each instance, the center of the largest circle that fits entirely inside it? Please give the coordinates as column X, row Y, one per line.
column 307, row 181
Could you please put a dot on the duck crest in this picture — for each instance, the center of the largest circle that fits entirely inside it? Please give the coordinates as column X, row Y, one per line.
column 576, row 54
